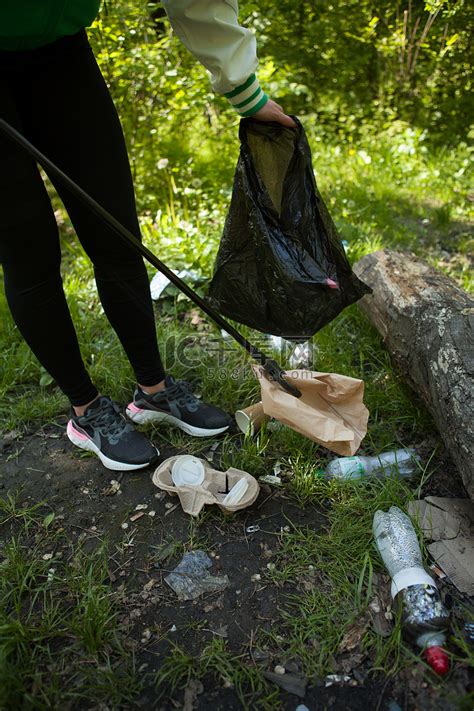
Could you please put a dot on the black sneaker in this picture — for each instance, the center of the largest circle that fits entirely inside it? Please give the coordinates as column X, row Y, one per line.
column 105, row 431
column 177, row 404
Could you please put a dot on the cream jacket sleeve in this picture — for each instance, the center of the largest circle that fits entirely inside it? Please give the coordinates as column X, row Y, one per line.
column 210, row 30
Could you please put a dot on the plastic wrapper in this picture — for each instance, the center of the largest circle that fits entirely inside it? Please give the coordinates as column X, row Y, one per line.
column 281, row 267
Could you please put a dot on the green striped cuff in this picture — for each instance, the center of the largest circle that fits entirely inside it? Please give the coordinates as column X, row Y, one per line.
column 248, row 98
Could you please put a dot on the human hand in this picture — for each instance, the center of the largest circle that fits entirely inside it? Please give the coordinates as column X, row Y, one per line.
column 274, row 112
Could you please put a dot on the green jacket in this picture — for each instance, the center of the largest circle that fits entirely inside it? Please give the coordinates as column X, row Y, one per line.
column 27, row 24
column 210, row 29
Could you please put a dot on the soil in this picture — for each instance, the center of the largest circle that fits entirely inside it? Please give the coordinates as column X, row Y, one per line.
column 47, row 467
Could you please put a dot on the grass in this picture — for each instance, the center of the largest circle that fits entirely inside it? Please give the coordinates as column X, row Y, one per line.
column 59, row 636
column 61, row 639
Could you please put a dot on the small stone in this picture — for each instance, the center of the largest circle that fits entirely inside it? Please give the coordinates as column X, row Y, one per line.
column 124, row 525
column 173, row 629
column 256, row 577
column 141, row 507
column 271, row 566
column 151, row 513
column 48, row 556
column 279, row 669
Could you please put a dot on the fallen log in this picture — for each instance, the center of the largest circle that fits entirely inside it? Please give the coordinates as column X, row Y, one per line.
column 427, row 323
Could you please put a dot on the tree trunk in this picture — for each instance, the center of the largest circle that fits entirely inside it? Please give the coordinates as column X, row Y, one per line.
column 427, row 323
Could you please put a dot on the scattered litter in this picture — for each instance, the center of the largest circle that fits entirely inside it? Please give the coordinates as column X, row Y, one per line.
column 301, row 707
column 160, row 495
column 253, row 529
column 169, row 505
column 51, row 573
column 256, row 577
column 279, row 669
column 449, row 524
column 48, row 556
column 437, row 571
column 330, row 410
column 250, row 419
column 424, row 618
column 236, row 494
column 187, row 471
column 173, row 628
column 270, row 479
column 160, row 282
column 152, row 513
column 292, row 683
column 271, row 566
column 191, row 578
column 124, row 525
column 277, row 469
column 399, row 463
column 201, row 485
column 336, row 679
column 141, row 507
column 302, row 355
column 136, row 516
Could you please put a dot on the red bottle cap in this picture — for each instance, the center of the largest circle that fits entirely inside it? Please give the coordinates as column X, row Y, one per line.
column 438, row 659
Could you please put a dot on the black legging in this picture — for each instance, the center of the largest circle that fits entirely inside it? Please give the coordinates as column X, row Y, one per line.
column 57, row 97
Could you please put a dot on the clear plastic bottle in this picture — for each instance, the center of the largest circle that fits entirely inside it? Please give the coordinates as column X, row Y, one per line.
column 401, row 463
column 424, row 617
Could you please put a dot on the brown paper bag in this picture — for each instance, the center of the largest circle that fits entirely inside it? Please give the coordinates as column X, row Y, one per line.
column 330, row 410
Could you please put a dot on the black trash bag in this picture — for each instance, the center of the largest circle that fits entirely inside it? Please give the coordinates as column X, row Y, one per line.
column 281, row 267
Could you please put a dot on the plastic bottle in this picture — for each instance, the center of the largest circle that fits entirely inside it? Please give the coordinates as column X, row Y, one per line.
column 401, row 463
column 424, row 617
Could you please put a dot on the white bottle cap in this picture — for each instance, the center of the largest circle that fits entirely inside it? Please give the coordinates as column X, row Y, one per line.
column 236, row 493
column 187, row 471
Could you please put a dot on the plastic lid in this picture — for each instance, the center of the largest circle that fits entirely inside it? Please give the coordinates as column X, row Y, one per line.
column 438, row 659
column 236, row 493
column 187, row 471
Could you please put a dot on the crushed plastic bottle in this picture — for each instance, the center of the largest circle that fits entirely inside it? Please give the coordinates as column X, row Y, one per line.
column 424, row 617
column 399, row 463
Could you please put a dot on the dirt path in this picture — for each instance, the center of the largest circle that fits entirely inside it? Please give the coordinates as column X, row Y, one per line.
column 46, row 467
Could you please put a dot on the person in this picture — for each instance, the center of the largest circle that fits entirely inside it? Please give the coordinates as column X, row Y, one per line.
column 52, row 91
